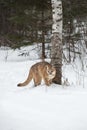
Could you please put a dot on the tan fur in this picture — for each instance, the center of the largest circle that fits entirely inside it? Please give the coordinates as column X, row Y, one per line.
column 39, row 71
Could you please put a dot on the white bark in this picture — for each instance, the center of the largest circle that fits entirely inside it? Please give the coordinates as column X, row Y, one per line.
column 56, row 50
column 57, row 16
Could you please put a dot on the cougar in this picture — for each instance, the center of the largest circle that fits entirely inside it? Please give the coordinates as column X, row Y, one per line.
column 41, row 70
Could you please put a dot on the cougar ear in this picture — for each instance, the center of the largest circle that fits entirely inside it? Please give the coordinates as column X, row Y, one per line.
column 46, row 67
column 53, row 67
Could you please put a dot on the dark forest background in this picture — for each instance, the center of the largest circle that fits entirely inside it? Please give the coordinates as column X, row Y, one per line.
column 24, row 22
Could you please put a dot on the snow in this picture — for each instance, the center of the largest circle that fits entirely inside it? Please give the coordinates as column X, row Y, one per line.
column 58, row 107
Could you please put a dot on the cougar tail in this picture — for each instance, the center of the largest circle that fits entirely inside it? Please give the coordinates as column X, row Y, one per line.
column 30, row 76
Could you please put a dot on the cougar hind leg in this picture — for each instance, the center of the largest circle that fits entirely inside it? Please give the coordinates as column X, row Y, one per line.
column 37, row 80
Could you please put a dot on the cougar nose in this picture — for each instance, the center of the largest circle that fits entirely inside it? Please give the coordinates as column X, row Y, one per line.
column 50, row 72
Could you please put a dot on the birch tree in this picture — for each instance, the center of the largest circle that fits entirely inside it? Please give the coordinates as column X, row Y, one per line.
column 56, row 40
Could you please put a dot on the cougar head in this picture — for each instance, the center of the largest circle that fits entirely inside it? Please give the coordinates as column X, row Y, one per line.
column 51, row 71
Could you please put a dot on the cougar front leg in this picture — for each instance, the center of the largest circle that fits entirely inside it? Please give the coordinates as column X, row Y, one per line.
column 50, row 81
column 47, row 82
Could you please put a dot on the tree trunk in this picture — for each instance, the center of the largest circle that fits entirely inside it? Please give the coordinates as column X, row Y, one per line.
column 56, row 40
column 43, row 37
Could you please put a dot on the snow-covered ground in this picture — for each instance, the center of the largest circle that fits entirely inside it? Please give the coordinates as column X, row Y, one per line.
column 40, row 108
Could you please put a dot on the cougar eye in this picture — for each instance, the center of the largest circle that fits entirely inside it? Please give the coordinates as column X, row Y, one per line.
column 50, row 72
